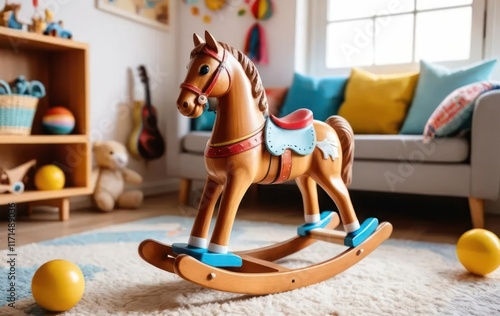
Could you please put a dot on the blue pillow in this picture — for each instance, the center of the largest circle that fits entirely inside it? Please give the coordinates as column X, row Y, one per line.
column 204, row 122
column 323, row 96
column 434, row 84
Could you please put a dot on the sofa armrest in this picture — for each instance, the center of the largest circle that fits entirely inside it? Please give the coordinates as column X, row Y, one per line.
column 485, row 146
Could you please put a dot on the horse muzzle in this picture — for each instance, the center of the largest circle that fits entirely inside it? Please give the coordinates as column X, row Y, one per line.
column 189, row 109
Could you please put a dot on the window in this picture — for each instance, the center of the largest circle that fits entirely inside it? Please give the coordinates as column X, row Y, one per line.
column 382, row 33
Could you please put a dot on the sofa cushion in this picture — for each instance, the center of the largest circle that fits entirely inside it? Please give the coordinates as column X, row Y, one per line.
column 321, row 95
column 434, row 84
column 410, row 148
column 196, row 141
column 377, row 104
column 454, row 114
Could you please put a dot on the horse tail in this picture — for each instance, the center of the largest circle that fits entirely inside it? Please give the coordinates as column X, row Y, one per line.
column 346, row 137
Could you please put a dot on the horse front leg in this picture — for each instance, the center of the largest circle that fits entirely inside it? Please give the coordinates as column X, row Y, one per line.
column 234, row 190
column 201, row 226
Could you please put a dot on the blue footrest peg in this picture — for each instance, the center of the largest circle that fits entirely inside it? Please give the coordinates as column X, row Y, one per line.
column 213, row 259
column 326, row 217
column 357, row 237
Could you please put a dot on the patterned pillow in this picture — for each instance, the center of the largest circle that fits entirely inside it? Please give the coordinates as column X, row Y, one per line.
column 454, row 114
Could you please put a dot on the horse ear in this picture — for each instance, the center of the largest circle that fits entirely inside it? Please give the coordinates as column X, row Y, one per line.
column 211, row 42
column 197, row 40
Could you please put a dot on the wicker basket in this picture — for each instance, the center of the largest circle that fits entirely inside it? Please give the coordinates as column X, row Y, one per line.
column 17, row 113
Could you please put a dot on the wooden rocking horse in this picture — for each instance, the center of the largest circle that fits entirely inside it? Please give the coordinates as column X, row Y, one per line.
column 248, row 146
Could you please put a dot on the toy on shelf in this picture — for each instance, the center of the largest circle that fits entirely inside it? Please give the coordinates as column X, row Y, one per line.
column 38, row 21
column 58, row 285
column 18, row 105
column 111, row 159
column 49, row 177
column 248, row 146
column 58, row 120
column 478, row 250
column 55, row 28
column 10, row 18
column 11, row 180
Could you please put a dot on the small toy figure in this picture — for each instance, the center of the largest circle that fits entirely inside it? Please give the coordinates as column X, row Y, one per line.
column 9, row 16
column 38, row 21
column 111, row 159
column 249, row 146
column 55, row 28
column 11, row 180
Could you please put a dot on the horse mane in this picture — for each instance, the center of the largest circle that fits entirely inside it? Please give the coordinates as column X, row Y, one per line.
column 250, row 70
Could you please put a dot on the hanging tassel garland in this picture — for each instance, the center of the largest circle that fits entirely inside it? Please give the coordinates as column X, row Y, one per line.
column 256, row 44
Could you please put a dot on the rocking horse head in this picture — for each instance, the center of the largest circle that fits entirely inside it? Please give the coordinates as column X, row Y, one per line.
column 208, row 75
column 212, row 71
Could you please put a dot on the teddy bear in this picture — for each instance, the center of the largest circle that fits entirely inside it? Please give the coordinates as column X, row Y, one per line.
column 111, row 175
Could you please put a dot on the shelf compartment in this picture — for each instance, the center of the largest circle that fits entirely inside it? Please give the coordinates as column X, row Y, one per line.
column 63, row 72
column 72, row 158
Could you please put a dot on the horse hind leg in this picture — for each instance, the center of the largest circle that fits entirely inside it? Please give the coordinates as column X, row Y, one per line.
column 309, row 192
column 337, row 191
column 356, row 233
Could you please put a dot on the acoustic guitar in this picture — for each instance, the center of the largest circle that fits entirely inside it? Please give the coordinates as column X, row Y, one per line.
column 146, row 140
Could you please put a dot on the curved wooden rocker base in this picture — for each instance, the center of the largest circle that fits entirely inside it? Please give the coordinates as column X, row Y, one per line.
column 259, row 275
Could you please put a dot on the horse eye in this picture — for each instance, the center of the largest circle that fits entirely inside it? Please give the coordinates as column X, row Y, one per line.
column 204, row 69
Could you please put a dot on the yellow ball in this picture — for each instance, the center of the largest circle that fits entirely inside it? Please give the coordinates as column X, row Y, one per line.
column 479, row 251
column 49, row 177
column 58, row 285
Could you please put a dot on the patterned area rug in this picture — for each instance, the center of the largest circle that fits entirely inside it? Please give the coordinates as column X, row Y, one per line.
column 398, row 278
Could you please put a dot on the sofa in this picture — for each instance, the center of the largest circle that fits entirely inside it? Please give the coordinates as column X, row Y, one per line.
column 462, row 165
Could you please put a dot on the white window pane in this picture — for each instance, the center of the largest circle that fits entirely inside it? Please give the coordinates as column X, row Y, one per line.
column 352, row 9
column 349, row 43
column 393, row 39
column 443, row 35
column 434, row 4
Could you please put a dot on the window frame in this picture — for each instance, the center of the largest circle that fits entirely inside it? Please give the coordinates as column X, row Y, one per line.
column 315, row 64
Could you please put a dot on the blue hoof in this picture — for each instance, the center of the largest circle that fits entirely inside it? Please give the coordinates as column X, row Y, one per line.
column 326, row 217
column 357, row 237
column 211, row 258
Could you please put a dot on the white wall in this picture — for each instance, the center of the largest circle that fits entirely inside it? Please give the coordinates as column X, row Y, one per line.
column 228, row 27
column 116, row 46
column 492, row 39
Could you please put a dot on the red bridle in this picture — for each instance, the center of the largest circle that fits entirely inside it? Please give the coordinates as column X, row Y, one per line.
column 203, row 94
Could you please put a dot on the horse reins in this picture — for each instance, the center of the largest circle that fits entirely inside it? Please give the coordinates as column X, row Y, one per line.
column 203, row 94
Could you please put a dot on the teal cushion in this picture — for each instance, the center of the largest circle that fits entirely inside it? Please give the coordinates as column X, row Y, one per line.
column 323, row 96
column 204, row 122
column 434, row 84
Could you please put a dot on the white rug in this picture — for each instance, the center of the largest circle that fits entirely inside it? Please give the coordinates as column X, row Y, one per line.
column 398, row 278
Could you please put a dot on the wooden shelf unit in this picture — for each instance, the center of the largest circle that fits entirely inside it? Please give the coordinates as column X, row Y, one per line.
column 62, row 66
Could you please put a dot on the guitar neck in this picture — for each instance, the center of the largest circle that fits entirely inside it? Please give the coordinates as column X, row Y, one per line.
column 148, row 97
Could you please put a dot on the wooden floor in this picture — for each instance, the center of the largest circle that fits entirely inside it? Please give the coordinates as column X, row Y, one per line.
column 413, row 217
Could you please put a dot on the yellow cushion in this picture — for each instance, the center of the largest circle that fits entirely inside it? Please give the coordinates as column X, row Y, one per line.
column 377, row 104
